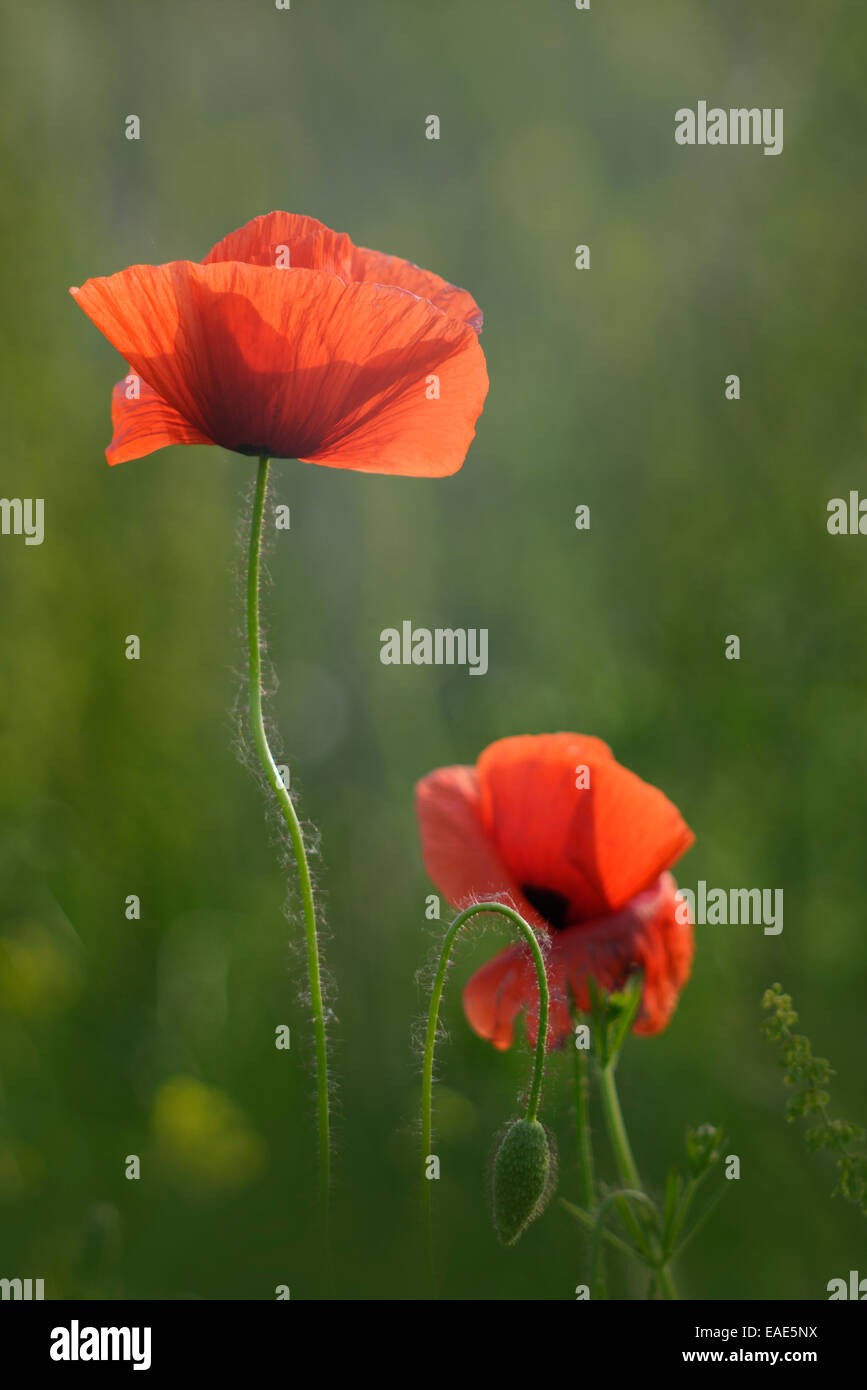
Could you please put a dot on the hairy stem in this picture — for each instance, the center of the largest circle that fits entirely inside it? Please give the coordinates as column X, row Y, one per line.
column 430, row 1042
column 255, row 647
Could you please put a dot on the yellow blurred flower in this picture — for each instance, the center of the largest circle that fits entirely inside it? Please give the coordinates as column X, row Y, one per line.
column 203, row 1137
column 38, row 976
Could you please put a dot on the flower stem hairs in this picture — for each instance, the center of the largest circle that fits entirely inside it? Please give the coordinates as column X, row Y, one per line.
column 288, row 341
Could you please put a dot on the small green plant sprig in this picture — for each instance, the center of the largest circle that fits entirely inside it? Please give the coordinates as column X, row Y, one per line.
column 808, row 1076
column 652, row 1233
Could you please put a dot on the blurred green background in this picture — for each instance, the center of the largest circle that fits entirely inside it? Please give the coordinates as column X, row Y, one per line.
column 156, row 1037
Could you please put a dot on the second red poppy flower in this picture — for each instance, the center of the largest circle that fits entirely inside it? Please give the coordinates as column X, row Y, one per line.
column 580, row 846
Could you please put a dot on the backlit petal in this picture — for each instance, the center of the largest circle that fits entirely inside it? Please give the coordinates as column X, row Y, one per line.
column 645, row 936
column 391, row 270
column 297, row 364
column 280, row 238
column 144, row 423
column 458, row 854
column 597, row 845
column 495, row 995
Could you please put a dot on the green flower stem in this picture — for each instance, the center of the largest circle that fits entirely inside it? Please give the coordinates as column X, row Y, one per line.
column 255, row 645
column 588, row 1221
column 582, row 1123
column 430, row 1043
column 626, row 1165
column 629, row 1176
column 598, row 1285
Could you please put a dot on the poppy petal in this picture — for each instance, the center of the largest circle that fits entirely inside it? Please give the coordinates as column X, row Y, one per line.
column 289, row 239
column 645, row 935
column 495, row 995
column 528, row 799
column 297, row 364
column 624, row 835
column 596, row 845
column 391, row 270
column 458, row 854
column 144, row 422
column 286, row 240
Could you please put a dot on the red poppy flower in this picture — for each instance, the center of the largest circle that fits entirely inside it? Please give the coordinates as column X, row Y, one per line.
column 582, row 855
column 289, row 341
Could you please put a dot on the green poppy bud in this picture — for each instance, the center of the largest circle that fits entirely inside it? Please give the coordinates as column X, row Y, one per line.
column 522, row 1178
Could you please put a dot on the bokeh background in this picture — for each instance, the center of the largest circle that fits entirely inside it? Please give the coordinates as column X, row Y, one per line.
column 156, row 1037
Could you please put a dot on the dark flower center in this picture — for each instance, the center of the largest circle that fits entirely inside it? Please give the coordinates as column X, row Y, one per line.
column 550, row 905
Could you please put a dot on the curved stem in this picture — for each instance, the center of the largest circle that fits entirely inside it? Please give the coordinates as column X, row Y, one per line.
column 430, row 1042
column 255, row 645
